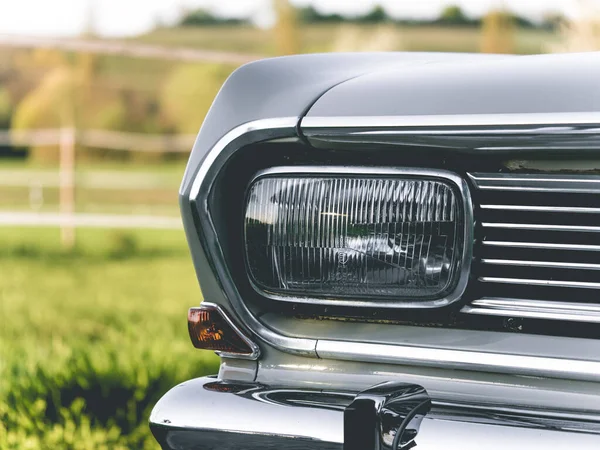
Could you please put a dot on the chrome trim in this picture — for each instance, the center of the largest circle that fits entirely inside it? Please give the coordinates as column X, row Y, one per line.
column 515, row 415
column 211, row 414
column 536, row 366
column 526, row 178
column 550, row 283
column 204, row 179
column 584, row 184
column 262, row 417
column 442, row 175
column 565, row 209
column 543, row 245
column 547, row 264
column 219, row 412
column 535, row 309
column 465, row 132
column 553, row 120
column 255, row 349
column 278, row 128
column 541, row 227
column 540, row 189
column 246, row 128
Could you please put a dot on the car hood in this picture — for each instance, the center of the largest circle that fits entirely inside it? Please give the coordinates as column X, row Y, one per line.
column 563, row 83
column 289, row 86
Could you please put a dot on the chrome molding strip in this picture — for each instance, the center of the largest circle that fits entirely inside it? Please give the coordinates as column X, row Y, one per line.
column 461, row 360
column 265, row 128
column 515, row 416
column 547, row 264
column 566, row 190
column 449, row 178
column 216, row 158
column 565, row 209
column 584, row 184
column 480, row 180
column 481, row 132
column 543, row 245
column 541, row 227
column 534, row 309
column 282, row 128
column 553, row 120
column 549, row 283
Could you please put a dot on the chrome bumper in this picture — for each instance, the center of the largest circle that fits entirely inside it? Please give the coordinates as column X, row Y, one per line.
column 206, row 413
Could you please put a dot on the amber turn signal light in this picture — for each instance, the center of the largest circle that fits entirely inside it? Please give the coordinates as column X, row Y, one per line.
column 211, row 329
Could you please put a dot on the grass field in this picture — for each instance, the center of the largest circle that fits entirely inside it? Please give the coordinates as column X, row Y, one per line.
column 328, row 37
column 90, row 339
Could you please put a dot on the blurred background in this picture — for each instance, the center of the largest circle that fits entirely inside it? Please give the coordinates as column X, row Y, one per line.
column 100, row 102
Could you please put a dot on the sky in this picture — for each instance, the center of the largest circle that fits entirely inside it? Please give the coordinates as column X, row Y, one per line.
column 129, row 17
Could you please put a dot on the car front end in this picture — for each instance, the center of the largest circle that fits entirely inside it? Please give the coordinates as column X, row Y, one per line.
column 395, row 250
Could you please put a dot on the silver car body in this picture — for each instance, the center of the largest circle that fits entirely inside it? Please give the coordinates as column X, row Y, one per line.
column 493, row 388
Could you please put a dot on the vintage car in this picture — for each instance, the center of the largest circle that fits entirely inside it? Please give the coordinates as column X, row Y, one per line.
column 396, row 250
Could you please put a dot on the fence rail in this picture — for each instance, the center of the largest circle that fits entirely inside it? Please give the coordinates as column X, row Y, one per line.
column 66, row 139
column 77, row 220
column 113, row 140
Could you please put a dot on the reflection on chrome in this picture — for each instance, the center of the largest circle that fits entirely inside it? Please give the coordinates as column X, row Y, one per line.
column 389, row 413
column 388, row 416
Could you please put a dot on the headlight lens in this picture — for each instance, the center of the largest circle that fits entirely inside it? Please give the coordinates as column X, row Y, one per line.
column 398, row 237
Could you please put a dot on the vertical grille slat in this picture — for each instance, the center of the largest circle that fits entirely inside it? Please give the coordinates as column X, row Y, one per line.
column 537, row 244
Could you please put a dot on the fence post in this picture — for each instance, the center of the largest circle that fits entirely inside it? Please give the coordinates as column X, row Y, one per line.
column 67, row 186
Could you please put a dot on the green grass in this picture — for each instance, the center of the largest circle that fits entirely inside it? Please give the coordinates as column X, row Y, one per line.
column 91, row 338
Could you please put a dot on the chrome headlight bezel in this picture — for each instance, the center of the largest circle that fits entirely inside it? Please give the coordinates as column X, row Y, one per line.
column 454, row 181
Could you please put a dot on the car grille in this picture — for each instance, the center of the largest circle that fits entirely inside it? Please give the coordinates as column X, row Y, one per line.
column 537, row 246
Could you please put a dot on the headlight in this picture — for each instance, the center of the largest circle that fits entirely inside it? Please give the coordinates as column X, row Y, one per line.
column 337, row 233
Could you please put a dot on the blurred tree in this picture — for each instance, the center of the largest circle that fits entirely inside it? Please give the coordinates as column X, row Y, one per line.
column 5, row 108
column 71, row 94
column 201, row 17
column 522, row 22
column 376, row 15
column 287, row 35
column 40, row 59
column 5, row 115
column 113, row 116
column 25, row 69
column 554, row 21
column 498, row 32
column 309, row 14
column 453, row 15
column 47, row 106
column 188, row 93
